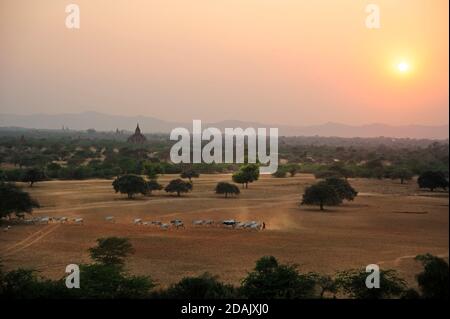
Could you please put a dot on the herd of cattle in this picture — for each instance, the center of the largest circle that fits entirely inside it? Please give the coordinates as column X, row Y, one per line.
column 176, row 223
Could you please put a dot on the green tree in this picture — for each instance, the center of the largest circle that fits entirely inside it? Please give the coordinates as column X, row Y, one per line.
column 153, row 185
column 190, row 174
column 204, row 286
column 227, row 188
column 342, row 187
column 246, row 174
column 402, row 174
column 434, row 279
column 353, row 283
column 293, row 169
column 432, row 180
column 15, row 200
column 130, row 185
column 33, row 175
column 280, row 173
column 271, row 280
column 321, row 194
column 178, row 186
column 111, row 250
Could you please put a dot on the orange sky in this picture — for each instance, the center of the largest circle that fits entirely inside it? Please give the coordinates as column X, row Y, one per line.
column 276, row 61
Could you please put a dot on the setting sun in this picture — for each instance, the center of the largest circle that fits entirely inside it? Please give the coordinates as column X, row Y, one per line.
column 403, row 67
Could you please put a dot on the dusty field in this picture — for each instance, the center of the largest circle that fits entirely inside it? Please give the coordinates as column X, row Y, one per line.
column 387, row 224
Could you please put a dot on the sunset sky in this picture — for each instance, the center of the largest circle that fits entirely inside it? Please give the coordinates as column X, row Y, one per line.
column 275, row 61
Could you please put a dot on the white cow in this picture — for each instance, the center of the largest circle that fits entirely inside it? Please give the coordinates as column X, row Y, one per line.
column 198, row 222
column 79, row 221
column 44, row 220
column 110, row 219
column 137, row 221
column 165, row 226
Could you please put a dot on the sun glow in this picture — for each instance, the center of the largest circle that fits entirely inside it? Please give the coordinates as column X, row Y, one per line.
column 403, row 67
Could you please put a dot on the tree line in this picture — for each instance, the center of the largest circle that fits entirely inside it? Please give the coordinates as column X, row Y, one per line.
column 106, row 277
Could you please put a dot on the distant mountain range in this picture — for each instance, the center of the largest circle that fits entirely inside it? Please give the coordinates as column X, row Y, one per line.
column 105, row 122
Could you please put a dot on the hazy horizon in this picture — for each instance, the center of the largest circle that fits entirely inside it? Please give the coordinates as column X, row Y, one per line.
column 289, row 62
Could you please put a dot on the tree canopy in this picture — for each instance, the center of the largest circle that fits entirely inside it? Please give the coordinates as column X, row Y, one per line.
column 433, row 180
column 130, row 185
column 321, row 194
column 178, row 186
column 14, row 200
column 227, row 188
column 246, row 174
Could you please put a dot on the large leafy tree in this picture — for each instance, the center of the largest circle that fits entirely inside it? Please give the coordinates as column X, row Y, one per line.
column 321, row 194
column 432, row 180
column 14, row 200
column 33, row 175
column 130, row 185
column 178, row 186
column 246, row 174
column 342, row 187
column 227, row 188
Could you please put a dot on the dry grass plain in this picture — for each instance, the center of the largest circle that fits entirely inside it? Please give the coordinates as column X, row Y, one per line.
column 388, row 224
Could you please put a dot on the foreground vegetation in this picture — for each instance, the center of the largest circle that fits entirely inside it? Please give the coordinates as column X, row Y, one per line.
column 107, row 278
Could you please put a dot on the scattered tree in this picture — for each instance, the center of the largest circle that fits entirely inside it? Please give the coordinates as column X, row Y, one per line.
column 246, row 174
column 33, row 175
column 227, row 188
column 321, row 194
column 342, row 187
column 130, row 185
column 293, row 169
column 280, row 173
column 432, row 180
column 15, row 200
column 178, row 186
column 402, row 174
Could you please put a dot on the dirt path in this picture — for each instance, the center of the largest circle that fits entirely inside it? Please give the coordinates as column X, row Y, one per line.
column 30, row 240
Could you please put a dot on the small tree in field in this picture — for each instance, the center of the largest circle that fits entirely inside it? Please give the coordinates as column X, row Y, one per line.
column 246, row 174
column 33, row 175
column 321, row 194
column 153, row 185
column 130, row 185
column 190, row 174
column 342, row 187
column 293, row 169
column 15, row 200
column 178, row 186
column 433, row 180
column 227, row 188
column 280, row 173
column 402, row 174
column 111, row 250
